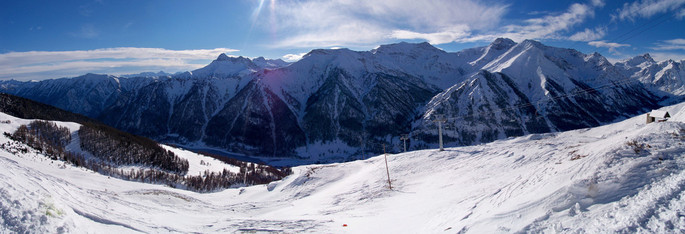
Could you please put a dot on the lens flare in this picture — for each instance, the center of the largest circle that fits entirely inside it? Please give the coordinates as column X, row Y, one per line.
column 255, row 13
column 272, row 18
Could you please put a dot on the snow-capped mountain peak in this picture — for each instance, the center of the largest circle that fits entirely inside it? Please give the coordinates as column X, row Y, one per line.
column 641, row 60
column 666, row 77
column 502, row 43
column 225, row 66
column 492, row 51
column 407, row 48
column 223, row 57
column 270, row 63
column 331, row 95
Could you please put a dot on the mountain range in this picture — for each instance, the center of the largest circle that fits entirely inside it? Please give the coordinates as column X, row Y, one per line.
column 337, row 104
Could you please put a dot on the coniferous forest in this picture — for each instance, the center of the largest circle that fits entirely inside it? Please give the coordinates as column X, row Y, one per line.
column 108, row 151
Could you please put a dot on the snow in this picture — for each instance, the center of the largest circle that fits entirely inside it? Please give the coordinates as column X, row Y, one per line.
column 587, row 180
column 665, row 76
column 225, row 66
column 659, row 114
column 199, row 163
column 535, row 68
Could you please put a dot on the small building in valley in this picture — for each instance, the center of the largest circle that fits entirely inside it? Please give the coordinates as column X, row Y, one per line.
column 657, row 116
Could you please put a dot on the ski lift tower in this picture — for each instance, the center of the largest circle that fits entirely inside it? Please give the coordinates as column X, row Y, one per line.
column 440, row 118
column 404, row 138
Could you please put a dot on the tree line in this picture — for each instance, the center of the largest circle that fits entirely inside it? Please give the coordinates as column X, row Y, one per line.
column 120, row 148
column 112, row 149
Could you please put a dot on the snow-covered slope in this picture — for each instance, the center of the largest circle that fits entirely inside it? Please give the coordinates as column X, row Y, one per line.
column 623, row 177
column 665, row 77
column 532, row 88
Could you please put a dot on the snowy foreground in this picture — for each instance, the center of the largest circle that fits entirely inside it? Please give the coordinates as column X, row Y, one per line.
column 627, row 176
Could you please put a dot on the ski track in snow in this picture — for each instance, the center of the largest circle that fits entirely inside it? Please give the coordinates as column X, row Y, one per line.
column 587, row 180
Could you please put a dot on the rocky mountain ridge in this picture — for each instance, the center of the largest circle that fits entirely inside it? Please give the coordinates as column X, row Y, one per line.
column 336, row 104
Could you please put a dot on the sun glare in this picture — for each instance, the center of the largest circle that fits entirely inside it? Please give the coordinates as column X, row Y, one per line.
column 256, row 11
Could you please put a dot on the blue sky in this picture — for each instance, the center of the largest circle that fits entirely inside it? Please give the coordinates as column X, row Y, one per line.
column 52, row 39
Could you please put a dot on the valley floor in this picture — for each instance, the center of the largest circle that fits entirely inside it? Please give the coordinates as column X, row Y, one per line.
column 624, row 177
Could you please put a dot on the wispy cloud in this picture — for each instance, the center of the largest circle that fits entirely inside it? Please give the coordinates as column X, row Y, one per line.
column 357, row 23
column 589, row 34
column 610, row 45
column 325, row 23
column 673, row 44
column 597, row 3
column 293, row 57
column 454, row 34
column 658, row 56
column 550, row 26
column 87, row 31
column 87, row 9
column 319, row 23
column 648, row 8
column 123, row 60
column 127, row 25
column 681, row 14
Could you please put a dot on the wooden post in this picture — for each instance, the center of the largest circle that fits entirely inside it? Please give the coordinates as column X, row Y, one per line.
column 386, row 167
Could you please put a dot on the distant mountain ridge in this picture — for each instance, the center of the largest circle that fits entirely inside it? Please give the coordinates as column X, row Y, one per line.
column 335, row 104
column 665, row 77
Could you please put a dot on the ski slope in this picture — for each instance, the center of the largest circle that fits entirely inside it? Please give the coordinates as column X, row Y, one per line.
column 622, row 177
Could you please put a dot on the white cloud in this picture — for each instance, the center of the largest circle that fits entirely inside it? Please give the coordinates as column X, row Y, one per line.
column 673, row 44
column 606, row 44
column 647, row 8
column 293, row 57
column 350, row 34
column 360, row 23
column 546, row 27
column 325, row 23
column 610, row 45
column 666, row 56
column 597, row 3
column 677, row 41
column 549, row 26
column 681, row 14
column 589, row 34
column 455, row 33
column 123, row 60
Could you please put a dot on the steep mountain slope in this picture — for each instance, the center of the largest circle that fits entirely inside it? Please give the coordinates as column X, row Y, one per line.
column 255, row 121
column 534, row 89
column 336, row 104
column 483, row 108
column 176, row 108
column 89, row 94
column 623, row 177
column 352, row 97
